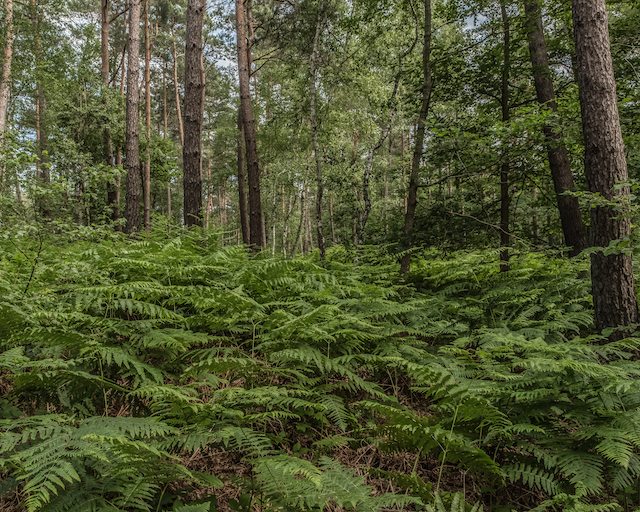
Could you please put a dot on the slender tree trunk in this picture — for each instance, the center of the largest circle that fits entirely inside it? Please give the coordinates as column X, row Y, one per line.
column 242, row 183
column 614, row 297
column 193, row 114
column 286, row 244
column 222, row 203
column 305, row 232
column 41, row 108
column 369, row 163
column 575, row 234
column 313, row 63
column 5, row 77
column 146, row 177
column 132, row 207
column 108, row 145
column 118, row 184
column 505, row 200
column 256, row 231
column 164, row 100
column 5, row 82
column 333, row 229
column 404, row 179
column 412, row 196
column 175, row 84
column 301, row 223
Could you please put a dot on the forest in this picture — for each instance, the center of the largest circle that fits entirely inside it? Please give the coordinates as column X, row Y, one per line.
column 319, row 255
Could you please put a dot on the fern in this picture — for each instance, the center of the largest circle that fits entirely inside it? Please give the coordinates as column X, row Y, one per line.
column 293, row 482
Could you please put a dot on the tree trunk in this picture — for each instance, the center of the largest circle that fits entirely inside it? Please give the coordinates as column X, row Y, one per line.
column 242, row 183
column 193, row 114
column 313, row 62
column 132, row 206
column 164, row 100
column 572, row 225
column 412, row 196
column 146, row 177
column 333, row 229
column 41, row 108
column 301, row 223
column 614, row 298
column 175, row 84
column 222, row 203
column 5, row 82
column 256, row 225
column 505, row 234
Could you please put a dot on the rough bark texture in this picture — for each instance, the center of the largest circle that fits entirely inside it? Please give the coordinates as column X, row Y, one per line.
column 256, row 225
column 504, row 169
column 412, row 196
column 5, row 83
column 193, row 114
column 132, row 207
column 575, row 234
column 313, row 63
column 612, row 280
column 242, row 183
column 175, row 86
column 5, row 79
column 146, row 175
column 113, row 192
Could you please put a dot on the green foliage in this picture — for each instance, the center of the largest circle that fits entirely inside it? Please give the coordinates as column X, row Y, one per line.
column 125, row 360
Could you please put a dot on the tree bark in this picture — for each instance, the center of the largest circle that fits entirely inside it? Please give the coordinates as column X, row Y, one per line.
column 132, row 206
column 146, row 176
column 333, row 228
column 575, row 234
column 242, row 183
column 41, row 108
column 301, row 223
column 5, row 82
column 256, row 224
column 313, row 62
column 614, row 298
column 412, row 196
column 193, row 114
column 175, row 85
column 505, row 199
column 164, row 100
column 113, row 193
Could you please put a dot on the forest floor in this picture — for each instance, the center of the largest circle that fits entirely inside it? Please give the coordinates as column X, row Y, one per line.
column 172, row 374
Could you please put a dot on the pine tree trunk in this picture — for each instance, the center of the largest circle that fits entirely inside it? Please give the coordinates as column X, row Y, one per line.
column 146, row 176
column 256, row 224
column 242, row 183
column 614, row 298
column 575, row 234
column 132, row 206
column 505, row 200
column 175, row 85
column 412, row 196
column 5, row 81
column 193, row 114
column 112, row 193
column 314, row 135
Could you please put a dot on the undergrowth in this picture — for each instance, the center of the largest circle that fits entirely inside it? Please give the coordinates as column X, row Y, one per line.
column 124, row 361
